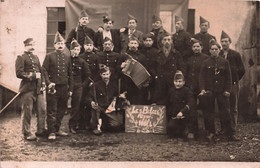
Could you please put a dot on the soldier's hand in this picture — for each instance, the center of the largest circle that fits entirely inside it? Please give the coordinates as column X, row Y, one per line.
column 38, row 75
column 202, row 92
column 122, row 30
column 70, row 94
column 94, row 105
column 227, row 94
column 51, row 85
column 100, row 29
column 179, row 115
column 43, row 87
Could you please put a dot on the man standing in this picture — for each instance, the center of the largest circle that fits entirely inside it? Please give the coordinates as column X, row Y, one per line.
column 158, row 31
column 81, row 73
column 237, row 72
column 59, row 79
column 28, row 68
column 182, row 39
column 81, row 31
column 130, row 32
column 204, row 36
column 167, row 63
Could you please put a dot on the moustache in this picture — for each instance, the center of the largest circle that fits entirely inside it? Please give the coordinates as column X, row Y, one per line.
column 60, row 48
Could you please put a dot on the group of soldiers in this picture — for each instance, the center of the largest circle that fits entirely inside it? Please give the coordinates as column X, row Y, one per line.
column 187, row 73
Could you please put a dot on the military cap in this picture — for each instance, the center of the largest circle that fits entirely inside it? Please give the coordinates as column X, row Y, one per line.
column 83, row 13
column 27, row 41
column 178, row 18
column 103, row 68
column 213, row 42
column 131, row 17
column 107, row 19
column 156, row 18
column 58, row 38
column 107, row 39
column 225, row 35
column 203, row 20
column 88, row 40
column 74, row 44
column 134, row 39
column 148, row 35
column 193, row 41
column 178, row 75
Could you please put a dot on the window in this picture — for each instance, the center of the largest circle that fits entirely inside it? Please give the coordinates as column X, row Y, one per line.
column 55, row 22
column 167, row 20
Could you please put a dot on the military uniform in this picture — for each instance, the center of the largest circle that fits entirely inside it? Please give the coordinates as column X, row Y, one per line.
column 158, row 35
column 150, row 56
column 58, row 70
column 179, row 100
column 205, row 38
column 182, row 43
column 92, row 60
column 81, row 72
column 125, row 36
column 215, row 77
column 165, row 68
column 27, row 65
column 237, row 72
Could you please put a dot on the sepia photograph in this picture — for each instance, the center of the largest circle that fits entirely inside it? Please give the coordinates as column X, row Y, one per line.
column 129, row 83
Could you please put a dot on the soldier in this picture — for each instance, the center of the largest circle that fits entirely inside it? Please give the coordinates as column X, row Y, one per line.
column 109, row 58
column 92, row 60
column 167, row 63
column 100, row 96
column 237, row 72
column 81, row 73
column 130, row 32
column 108, row 32
column 81, row 31
column 158, row 31
column 204, row 36
column 28, row 68
column 215, row 83
column 59, row 79
column 182, row 39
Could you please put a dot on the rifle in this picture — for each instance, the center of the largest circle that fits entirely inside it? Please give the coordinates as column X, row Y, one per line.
column 10, row 102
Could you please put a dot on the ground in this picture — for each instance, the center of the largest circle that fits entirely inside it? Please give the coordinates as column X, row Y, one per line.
column 124, row 146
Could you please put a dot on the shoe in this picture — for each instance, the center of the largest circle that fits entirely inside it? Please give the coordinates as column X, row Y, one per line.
column 30, row 137
column 97, row 132
column 52, row 136
column 61, row 133
column 73, row 131
column 42, row 134
column 233, row 138
column 190, row 136
column 211, row 138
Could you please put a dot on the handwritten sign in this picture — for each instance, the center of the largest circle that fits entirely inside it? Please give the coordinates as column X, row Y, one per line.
column 145, row 119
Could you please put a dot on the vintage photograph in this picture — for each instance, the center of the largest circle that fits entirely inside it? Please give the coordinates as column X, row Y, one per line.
column 129, row 83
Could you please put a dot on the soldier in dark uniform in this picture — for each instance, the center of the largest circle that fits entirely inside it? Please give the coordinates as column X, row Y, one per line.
column 167, row 63
column 158, row 31
column 59, row 79
column 109, row 58
column 204, row 36
column 100, row 96
column 237, row 72
column 92, row 60
column 179, row 105
column 215, row 83
column 134, row 94
column 193, row 67
column 81, row 31
column 108, row 32
column 81, row 73
column 28, row 68
column 182, row 39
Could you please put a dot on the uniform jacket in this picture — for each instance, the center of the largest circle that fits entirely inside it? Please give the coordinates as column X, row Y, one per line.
column 158, row 35
column 205, row 39
column 80, row 71
column 102, row 94
column 79, row 33
column 115, row 38
column 178, row 99
column 24, row 65
column 150, row 54
column 193, row 67
column 92, row 60
column 236, row 65
column 215, row 75
column 124, row 38
column 57, row 69
column 182, row 43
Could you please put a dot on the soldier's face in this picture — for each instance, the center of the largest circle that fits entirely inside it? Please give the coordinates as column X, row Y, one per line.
column 196, row 48
column 148, row 42
column 30, row 46
column 204, row 27
column 83, row 21
column 59, row 46
column 75, row 51
column 167, row 41
column 178, row 83
column 132, row 24
column 157, row 25
column 214, row 51
column 133, row 45
column 225, row 43
column 108, row 25
column 105, row 76
column 179, row 26
column 108, row 46
column 88, row 47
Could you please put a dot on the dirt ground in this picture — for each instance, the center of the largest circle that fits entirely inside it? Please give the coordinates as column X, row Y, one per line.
column 124, row 146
